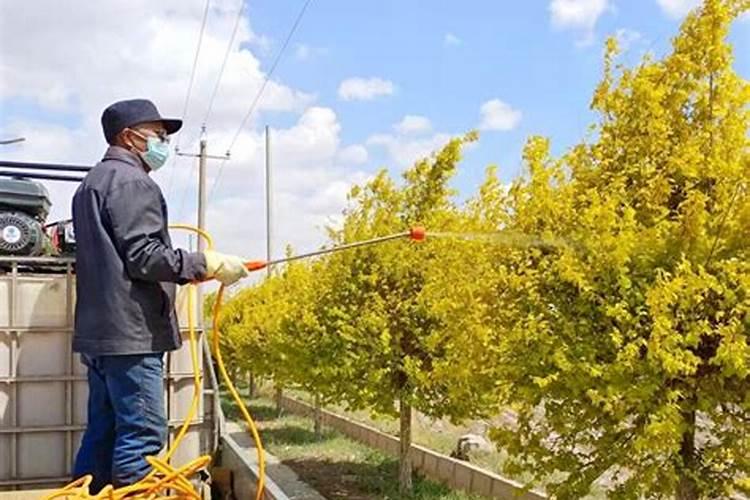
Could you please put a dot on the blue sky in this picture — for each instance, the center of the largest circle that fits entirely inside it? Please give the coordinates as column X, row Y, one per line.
column 503, row 49
column 353, row 72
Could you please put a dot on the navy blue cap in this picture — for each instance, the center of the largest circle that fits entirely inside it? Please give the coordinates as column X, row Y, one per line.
column 124, row 114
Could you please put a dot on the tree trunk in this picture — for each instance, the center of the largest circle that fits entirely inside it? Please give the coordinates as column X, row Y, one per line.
column 687, row 488
column 317, row 418
column 404, row 457
column 250, row 385
column 279, row 393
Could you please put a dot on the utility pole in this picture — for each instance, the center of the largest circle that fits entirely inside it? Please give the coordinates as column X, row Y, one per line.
column 269, row 225
column 202, row 200
column 269, row 238
column 202, row 188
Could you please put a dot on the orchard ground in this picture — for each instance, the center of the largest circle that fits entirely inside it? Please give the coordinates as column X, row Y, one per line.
column 334, row 465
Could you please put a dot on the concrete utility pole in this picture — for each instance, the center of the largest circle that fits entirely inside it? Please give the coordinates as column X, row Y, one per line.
column 269, row 223
column 202, row 200
column 269, row 237
column 202, row 188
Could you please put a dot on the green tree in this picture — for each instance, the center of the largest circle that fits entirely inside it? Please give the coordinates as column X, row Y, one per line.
column 622, row 333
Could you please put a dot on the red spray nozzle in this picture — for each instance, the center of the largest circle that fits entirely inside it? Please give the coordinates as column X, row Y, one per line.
column 417, row 233
column 255, row 265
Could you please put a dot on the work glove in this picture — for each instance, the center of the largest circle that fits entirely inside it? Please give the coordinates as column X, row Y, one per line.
column 227, row 269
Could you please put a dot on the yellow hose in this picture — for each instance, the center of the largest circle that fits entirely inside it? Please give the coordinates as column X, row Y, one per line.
column 237, row 398
column 164, row 481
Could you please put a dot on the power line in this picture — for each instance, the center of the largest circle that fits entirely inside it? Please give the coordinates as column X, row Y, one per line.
column 224, row 62
column 189, row 89
column 260, row 92
column 216, row 180
column 181, row 204
column 270, row 73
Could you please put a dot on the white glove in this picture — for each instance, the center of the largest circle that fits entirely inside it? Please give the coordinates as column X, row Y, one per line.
column 227, row 269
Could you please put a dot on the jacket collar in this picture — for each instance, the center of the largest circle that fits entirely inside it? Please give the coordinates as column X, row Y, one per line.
column 121, row 154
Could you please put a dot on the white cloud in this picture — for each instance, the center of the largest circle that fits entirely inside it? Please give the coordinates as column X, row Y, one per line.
column 577, row 14
column 125, row 51
column 50, row 143
column 497, row 115
column 627, row 38
column 311, row 175
column 304, row 52
column 678, row 8
column 356, row 154
column 413, row 124
column 365, row 89
column 262, row 44
column 412, row 139
column 580, row 15
column 72, row 74
column 405, row 150
column 451, row 40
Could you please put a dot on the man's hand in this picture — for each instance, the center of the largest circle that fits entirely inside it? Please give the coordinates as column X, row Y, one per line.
column 226, row 268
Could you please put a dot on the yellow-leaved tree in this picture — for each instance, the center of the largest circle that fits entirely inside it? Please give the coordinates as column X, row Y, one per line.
column 622, row 344
column 394, row 356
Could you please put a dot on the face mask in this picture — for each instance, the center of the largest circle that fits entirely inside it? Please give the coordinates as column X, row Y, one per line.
column 156, row 154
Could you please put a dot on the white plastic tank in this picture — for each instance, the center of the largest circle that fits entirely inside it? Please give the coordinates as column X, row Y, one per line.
column 43, row 386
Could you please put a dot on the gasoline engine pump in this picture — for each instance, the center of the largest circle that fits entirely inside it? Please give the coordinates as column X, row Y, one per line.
column 24, row 207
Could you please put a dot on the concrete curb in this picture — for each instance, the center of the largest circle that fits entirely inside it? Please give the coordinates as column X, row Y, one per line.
column 453, row 473
column 281, row 483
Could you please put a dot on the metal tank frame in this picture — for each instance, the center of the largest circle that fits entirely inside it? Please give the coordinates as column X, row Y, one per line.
column 25, row 448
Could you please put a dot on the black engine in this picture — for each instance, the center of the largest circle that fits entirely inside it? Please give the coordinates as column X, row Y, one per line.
column 24, row 206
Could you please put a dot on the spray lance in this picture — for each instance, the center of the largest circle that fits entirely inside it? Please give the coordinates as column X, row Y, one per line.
column 416, row 233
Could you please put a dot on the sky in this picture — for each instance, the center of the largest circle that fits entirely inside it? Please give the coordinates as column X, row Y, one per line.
column 360, row 86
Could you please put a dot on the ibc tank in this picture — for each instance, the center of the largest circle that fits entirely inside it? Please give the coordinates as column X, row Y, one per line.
column 43, row 386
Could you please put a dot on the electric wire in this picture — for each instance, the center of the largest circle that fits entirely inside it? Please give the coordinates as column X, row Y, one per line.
column 183, row 197
column 232, row 37
column 259, row 94
column 189, row 92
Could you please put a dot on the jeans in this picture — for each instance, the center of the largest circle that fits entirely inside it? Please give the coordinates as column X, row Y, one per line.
column 126, row 420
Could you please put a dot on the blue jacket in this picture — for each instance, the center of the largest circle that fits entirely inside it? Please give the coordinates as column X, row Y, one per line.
column 126, row 268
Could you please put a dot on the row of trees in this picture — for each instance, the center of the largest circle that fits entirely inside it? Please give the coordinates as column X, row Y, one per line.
column 607, row 305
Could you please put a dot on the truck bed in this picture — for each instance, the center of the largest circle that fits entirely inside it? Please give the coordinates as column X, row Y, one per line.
column 24, row 495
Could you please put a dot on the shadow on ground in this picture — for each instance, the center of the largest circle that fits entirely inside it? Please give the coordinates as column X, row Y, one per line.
column 288, row 435
column 294, row 435
column 259, row 412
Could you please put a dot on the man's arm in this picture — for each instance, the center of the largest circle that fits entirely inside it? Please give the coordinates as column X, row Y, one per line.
column 134, row 209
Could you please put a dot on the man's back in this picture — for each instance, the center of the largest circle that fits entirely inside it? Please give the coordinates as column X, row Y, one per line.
column 123, row 306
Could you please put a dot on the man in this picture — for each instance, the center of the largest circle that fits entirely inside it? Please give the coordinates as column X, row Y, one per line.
column 126, row 273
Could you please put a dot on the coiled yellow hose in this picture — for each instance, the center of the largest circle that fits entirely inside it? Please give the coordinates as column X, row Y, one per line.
column 164, row 481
